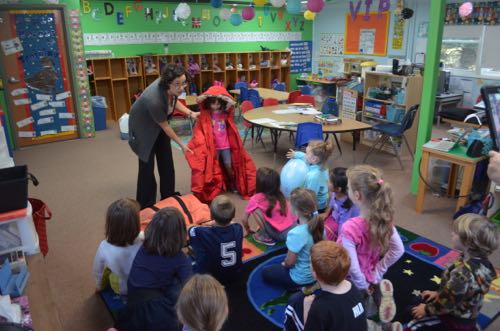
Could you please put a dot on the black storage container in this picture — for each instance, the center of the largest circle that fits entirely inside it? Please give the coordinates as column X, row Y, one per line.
column 14, row 188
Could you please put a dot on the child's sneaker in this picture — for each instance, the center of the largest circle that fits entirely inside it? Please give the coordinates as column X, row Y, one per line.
column 387, row 308
column 263, row 239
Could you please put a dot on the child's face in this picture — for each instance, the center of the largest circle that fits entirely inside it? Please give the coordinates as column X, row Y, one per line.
column 353, row 195
column 310, row 157
column 215, row 105
column 456, row 242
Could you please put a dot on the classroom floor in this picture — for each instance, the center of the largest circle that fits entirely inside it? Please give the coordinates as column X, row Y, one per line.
column 80, row 178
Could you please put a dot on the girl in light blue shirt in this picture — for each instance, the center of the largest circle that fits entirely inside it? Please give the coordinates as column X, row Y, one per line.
column 316, row 155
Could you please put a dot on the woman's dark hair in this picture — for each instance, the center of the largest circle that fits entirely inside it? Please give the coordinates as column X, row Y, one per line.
column 170, row 73
column 208, row 101
column 122, row 222
column 166, row 233
column 268, row 183
column 338, row 178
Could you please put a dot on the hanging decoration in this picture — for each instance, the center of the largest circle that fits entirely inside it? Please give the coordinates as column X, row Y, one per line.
column 183, row 11
column 278, row 3
column 248, row 13
column 216, row 3
column 315, row 5
column 259, row 3
column 225, row 14
column 309, row 15
column 293, row 7
column 481, row 13
column 465, row 9
column 235, row 17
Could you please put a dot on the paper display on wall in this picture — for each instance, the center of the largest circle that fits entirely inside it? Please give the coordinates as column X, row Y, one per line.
column 12, row 46
column 331, row 44
column 367, row 41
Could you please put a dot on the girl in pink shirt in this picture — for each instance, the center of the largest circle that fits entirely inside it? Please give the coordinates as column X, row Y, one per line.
column 268, row 214
column 371, row 239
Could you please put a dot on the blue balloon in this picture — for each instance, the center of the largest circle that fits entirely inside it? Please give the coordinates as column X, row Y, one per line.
column 216, row 3
column 293, row 175
column 293, row 7
column 236, row 19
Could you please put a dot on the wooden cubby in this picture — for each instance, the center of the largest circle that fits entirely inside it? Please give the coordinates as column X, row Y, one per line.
column 119, row 79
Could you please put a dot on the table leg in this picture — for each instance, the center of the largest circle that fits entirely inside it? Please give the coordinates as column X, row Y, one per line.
column 466, row 186
column 275, row 133
column 424, row 167
column 452, row 180
column 355, row 136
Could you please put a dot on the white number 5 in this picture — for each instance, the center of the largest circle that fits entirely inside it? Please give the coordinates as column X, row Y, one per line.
column 228, row 255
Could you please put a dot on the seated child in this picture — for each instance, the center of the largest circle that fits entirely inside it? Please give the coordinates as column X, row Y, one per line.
column 116, row 253
column 268, row 215
column 219, row 160
column 218, row 249
column 457, row 302
column 316, row 155
column 295, row 271
column 337, row 305
column 202, row 304
column 341, row 208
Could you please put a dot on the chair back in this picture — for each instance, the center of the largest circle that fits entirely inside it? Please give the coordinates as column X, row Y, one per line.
column 407, row 121
column 270, row 102
column 243, row 94
column 306, row 90
column 292, row 96
column 240, row 84
column 254, row 97
column 306, row 132
column 246, row 106
column 330, row 107
column 306, row 99
column 280, row 87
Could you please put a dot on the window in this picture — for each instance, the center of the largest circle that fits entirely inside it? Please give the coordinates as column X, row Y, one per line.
column 460, row 53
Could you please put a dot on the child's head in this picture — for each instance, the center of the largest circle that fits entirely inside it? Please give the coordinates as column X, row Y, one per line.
column 166, row 234
column 318, row 151
column 330, row 262
column 338, row 184
column 214, row 103
column 268, row 183
column 202, row 304
column 475, row 234
column 372, row 194
column 222, row 210
column 304, row 204
column 122, row 222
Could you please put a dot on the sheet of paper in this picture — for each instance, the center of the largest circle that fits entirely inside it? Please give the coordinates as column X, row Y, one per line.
column 20, row 102
column 44, row 97
column 264, row 120
column 19, row 91
column 310, row 111
column 47, row 132
column 12, row 46
column 287, row 111
column 57, row 104
column 63, row 95
column 66, row 128
column 26, row 134
column 45, row 120
column 66, row 115
column 25, row 122
column 47, row 112
column 39, row 105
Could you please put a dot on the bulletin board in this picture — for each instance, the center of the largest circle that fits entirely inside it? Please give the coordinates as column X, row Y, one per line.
column 367, row 37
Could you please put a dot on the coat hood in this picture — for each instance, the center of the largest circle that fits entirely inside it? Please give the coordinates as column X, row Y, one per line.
column 218, row 92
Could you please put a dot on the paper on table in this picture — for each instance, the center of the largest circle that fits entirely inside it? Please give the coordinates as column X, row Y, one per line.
column 310, row 111
column 287, row 111
column 264, row 120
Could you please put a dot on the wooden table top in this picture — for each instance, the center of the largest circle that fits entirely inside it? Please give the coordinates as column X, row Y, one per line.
column 347, row 125
column 267, row 93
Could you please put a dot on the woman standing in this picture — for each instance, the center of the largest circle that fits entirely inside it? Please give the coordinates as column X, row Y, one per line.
column 150, row 133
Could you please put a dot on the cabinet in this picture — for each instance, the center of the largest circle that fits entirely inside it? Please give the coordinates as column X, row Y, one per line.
column 119, row 79
column 387, row 97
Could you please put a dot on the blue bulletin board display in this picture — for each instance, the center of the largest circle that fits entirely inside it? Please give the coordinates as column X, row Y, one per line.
column 301, row 56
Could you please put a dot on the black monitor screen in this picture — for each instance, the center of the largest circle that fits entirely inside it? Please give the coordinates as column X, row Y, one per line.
column 491, row 97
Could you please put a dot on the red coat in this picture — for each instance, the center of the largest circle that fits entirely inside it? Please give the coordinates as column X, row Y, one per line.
column 207, row 177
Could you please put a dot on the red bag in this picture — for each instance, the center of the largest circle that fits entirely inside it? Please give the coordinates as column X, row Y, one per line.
column 191, row 208
column 41, row 214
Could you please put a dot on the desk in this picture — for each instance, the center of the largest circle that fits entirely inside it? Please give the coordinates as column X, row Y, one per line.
column 457, row 157
column 42, row 306
column 267, row 93
column 348, row 125
column 446, row 99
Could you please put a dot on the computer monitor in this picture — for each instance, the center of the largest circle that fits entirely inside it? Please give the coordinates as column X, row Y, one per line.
column 491, row 98
column 443, row 82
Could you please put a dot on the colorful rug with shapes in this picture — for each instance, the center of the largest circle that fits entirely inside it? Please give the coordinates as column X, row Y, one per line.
column 420, row 266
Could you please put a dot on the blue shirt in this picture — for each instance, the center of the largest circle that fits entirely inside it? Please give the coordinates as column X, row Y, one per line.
column 316, row 180
column 300, row 241
column 218, row 250
column 340, row 214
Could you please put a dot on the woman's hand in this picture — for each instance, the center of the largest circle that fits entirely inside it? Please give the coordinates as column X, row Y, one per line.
column 429, row 296
column 194, row 115
column 185, row 149
column 418, row 312
column 290, row 154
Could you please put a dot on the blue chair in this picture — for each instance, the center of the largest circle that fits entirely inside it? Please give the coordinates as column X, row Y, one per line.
column 240, row 84
column 280, row 87
column 390, row 131
column 306, row 90
column 254, row 98
column 330, row 107
column 243, row 94
column 306, row 132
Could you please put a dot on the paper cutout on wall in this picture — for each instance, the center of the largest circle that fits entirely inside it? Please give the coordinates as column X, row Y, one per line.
column 398, row 33
column 25, row 122
column 331, row 44
column 11, row 46
column 26, row 134
column 301, row 56
column 19, row 91
column 20, row 102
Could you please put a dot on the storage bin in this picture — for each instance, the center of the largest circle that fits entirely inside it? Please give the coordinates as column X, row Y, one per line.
column 99, row 107
column 14, row 188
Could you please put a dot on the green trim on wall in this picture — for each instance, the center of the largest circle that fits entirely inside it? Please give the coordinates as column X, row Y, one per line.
column 3, row 105
column 428, row 101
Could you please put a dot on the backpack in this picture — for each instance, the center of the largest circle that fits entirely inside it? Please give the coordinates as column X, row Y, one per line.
column 191, row 208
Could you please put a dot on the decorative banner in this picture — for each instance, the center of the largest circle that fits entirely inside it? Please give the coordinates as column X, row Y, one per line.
column 398, row 33
column 331, row 44
column 301, row 56
column 483, row 13
column 126, row 38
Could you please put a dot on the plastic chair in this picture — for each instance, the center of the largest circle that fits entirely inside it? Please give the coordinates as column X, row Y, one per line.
column 306, row 99
column 178, row 114
column 254, row 97
column 306, row 90
column 330, row 107
column 306, row 132
column 240, row 84
column 270, row 102
column 292, row 96
column 246, row 106
column 389, row 131
column 280, row 87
